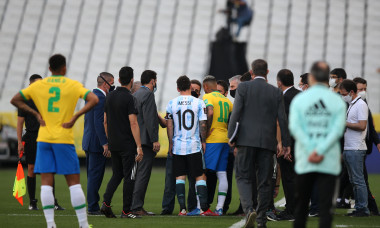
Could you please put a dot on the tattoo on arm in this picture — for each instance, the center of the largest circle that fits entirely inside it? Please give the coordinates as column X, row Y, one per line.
column 210, row 113
column 203, row 130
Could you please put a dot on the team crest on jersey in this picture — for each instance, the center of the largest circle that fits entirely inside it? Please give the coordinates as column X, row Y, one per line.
column 206, row 101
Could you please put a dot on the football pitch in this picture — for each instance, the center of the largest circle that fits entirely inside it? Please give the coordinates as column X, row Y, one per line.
column 12, row 214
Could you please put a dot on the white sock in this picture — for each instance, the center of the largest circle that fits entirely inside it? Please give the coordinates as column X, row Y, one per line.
column 78, row 201
column 47, row 200
column 222, row 189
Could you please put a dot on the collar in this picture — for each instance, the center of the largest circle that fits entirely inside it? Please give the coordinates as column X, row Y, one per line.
column 57, row 75
column 145, row 87
column 101, row 91
column 353, row 101
column 259, row 77
column 287, row 89
column 120, row 88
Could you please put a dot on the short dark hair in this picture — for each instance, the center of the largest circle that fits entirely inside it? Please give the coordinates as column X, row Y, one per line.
column 359, row 80
column 339, row 72
column 246, row 77
column 195, row 81
column 285, row 76
column 125, row 75
column 183, row 83
column 320, row 70
column 56, row 62
column 224, row 84
column 260, row 67
column 107, row 76
column 304, row 78
column 147, row 76
column 348, row 85
column 34, row 77
column 209, row 78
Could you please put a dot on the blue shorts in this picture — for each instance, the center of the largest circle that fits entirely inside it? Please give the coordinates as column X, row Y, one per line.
column 56, row 158
column 216, row 156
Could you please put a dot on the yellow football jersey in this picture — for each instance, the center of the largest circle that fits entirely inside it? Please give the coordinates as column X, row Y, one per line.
column 222, row 110
column 55, row 98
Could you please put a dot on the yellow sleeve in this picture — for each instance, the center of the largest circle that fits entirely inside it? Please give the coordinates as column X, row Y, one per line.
column 208, row 100
column 83, row 92
column 231, row 105
column 28, row 91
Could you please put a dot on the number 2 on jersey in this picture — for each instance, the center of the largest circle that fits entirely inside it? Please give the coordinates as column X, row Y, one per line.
column 57, row 92
column 223, row 118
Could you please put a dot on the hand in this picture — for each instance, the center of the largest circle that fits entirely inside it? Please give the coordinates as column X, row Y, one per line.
column 20, row 148
column 287, row 153
column 170, row 151
column 204, row 147
column 280, row 151
column 378, row 147
column 275, row 193
column 315, row 158
column 156, row 147
column 139, row 155
column 106, row 152
column 235, row 151
column 232, row 144
column 40, row 120
column 69, row 124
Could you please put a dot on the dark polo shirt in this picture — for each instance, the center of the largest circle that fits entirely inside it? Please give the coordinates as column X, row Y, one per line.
column 31, row 123
column 118, row 106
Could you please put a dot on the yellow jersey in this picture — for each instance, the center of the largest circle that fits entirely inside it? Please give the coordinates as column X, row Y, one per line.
column 222, row 110
column 55, row 98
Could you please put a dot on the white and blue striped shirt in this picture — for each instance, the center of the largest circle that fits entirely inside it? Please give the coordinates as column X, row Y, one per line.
column 186, row 112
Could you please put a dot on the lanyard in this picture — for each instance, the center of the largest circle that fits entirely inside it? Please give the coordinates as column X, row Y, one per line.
column 349, row 108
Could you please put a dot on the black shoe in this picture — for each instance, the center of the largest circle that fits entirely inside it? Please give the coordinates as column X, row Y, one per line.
column 33, row 205
column 313, row 214
column 166, row 212
column 107, row 211
column 129, row 215
column 271, row 216
column 358, row 214
column 250, row 219
column 57, row 207
column 343, row 205
column 375, row 213
column 285, row 216
column 94, row 213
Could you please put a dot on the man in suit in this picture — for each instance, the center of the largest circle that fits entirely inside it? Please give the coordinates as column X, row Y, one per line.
column 148, row 121
column 95, row 142
column 285, row 82
column 257, row 107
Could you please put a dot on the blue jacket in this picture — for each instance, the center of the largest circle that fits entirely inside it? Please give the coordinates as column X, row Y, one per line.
column 94, row 135
column 317, row 120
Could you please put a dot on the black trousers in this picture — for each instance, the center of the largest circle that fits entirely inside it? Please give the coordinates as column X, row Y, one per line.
column 122, row 164
column 288, row 177
column 327, row 191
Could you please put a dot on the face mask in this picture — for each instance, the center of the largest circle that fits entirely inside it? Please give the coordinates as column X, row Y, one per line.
column 112, row 88
column 362, row 94
column 194, row 94
column 233, row 92
column 332, row 83
column 155, row 88
column 347, row 98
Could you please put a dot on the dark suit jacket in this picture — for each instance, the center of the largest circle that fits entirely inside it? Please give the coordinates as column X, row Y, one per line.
column 257, row 107
column 147, row 116
column 94, row 135
column 288, row 97
column 372, row 136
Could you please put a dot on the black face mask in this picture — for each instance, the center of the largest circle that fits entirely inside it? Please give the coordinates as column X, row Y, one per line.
column 233, row 92
column 194, row 94
column 112, row 87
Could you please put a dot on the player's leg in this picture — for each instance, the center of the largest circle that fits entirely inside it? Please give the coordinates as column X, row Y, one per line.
column 222, row 177
column 46, row 166
column 179, row 169
column 211, row 157
column 68, row 164
column 30, row 150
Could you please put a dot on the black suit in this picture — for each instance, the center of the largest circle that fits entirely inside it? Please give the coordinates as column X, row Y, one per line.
column 287, row 168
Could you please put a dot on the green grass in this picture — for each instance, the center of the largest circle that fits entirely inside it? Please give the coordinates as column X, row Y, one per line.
column 12, row 214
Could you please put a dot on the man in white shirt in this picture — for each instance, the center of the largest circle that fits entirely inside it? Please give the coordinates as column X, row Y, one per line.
column 355, row 147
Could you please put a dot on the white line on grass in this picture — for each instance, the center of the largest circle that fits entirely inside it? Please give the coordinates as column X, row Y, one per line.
column 238, row 224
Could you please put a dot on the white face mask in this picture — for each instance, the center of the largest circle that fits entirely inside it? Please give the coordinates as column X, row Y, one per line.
column 363, row 94
column 347, row 98
column 332, row 83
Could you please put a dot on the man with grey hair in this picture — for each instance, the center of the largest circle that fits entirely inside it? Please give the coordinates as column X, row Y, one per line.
column 95, row 143
column 234, row 82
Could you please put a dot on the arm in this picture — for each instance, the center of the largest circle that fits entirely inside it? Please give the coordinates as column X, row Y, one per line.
column 99, row 127
column 210, row 115
column 149, row 110
column 203, row 132
column 136, row 135
column 170, row 133
column 92, row 100
column 282, row 120
column 279, row 143
column 18, row 101
column 20, row 124
column 105, row 124
column 357, row 126
column 162, row 122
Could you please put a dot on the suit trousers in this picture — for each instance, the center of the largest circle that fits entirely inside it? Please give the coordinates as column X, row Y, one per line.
column 96, row 164
column 255, row 161
column 144, row 170
column 327, row 191
column 122, row 164
column 168, row 199
column 288, row 182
